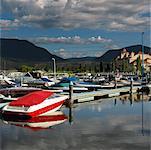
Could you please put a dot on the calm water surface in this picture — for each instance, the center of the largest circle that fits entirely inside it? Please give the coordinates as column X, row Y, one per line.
column 110, row 124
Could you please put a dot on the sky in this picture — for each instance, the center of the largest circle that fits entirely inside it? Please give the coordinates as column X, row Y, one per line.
column 77, row 28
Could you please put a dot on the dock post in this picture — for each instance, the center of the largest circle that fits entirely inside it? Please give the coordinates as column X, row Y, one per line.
column 21, row 81
column 131, row 99
column 115, row 86
column 131, row 86
column 70, row 115
column 71, row 92
column 115, row 101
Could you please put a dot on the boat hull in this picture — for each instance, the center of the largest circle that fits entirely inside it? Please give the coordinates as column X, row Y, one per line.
column 26, row 115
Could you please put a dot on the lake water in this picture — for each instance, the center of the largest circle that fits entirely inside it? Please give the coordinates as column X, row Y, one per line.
column 108, row 124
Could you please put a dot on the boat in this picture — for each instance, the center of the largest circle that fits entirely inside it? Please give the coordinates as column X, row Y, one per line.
column 39, row 122
column 11, row 94
column 108, row 85
column 6, row 82
column 49, row 82
column 64, row 85
column 34, row 104
column 67, row 89
column 41, row 82
column 5, row 98
column 88, row 85
column 3, row 104
column 18, row 91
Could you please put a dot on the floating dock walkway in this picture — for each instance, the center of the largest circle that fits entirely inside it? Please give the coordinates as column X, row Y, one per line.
column 103, row 93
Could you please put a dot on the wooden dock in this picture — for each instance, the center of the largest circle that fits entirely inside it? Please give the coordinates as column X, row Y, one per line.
column 103, row 93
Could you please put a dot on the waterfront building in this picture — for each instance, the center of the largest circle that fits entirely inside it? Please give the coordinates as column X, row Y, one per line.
column 131, row 59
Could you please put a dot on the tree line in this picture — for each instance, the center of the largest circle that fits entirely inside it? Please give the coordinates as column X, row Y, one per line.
column 93, row 67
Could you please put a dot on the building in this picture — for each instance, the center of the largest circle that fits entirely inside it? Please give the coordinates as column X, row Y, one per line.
column 127, row 60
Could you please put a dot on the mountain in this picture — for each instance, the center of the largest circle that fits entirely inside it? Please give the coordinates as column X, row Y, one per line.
column 22, row 49
column 112, row 54
column 81, row 59
column 17, row 52
column 77, row 63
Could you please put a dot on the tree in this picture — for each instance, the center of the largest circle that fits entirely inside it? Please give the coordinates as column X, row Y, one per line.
column 47, row 68
column 101, row 66
column 138, row 64
column 108, row 69
column 133, row 68
column 126, row 67
column 25, row 68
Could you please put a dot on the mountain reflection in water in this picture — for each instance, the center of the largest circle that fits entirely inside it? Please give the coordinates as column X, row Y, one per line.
column 114, row 123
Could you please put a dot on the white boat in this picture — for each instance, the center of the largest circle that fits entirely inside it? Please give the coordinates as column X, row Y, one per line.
column 3, row 104
column 39, row 122
column 9, row 98
column 34, row 104
column 18, row 91
column 108, row 85
column 48, row 82
column 6, row 82
column 88, row 85
column 21, row 91
column 66, row 89
column 64, row 85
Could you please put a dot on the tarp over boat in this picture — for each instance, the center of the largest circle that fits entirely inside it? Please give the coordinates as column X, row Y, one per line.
column 31, row 99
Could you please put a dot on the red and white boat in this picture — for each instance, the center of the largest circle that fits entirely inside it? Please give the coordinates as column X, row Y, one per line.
column 34, row 104
column 39, row 122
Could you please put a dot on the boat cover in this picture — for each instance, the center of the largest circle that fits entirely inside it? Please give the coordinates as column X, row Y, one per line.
column 31, row 99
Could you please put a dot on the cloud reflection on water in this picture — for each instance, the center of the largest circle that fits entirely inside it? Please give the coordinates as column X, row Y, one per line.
column 114, row 128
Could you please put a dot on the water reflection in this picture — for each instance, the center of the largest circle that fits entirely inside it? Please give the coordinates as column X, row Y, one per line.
column 70, row 115
column 137, row 98
column 133, row 98
column 39, row 122
column 98, row 125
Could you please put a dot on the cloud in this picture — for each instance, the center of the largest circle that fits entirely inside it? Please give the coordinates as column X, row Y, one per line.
column 98, row 39
column 70, row 40
column 76, row 41
column 115, row 25
column 9, row 24
column 105, row 14
column 76, row 53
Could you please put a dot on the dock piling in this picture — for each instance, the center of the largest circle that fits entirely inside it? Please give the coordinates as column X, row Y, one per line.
column 131, row 86
column 71, row 92
column 70, row 115
column 115, row 86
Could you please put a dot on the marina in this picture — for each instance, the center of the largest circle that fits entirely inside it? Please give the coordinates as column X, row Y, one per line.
column 104, row 115
column 75, row 75
column 75, row 87
column 88, row 111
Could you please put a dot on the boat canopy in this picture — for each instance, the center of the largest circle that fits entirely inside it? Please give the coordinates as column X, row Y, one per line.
column 46, row 79
column 31, row 99
column 73, row 79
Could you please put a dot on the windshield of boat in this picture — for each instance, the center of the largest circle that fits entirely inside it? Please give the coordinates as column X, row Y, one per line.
column 53, row 96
